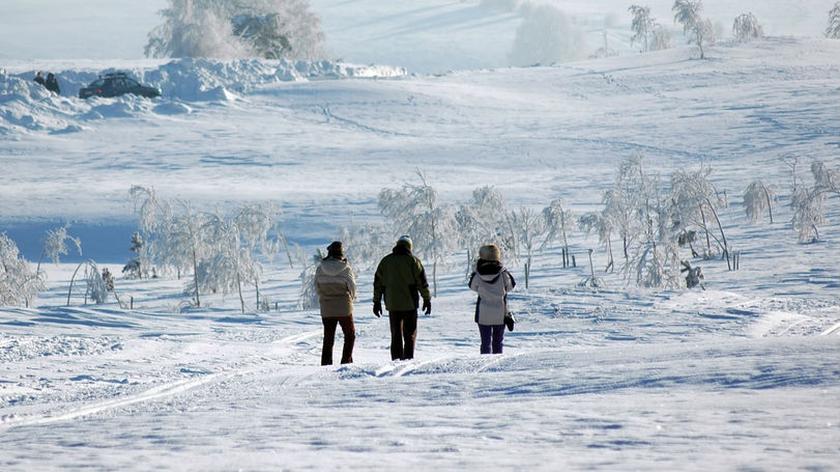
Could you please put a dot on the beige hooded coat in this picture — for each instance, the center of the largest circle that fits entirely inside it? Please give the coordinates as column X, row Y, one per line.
column 336, row 287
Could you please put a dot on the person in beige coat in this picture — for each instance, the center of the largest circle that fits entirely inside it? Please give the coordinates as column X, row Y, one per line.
column 336, row 287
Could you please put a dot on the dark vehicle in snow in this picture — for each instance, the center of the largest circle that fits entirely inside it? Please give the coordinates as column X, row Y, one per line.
column 116, row 84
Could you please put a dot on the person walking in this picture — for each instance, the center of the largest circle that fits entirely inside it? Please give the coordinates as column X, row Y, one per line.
column 52, row 84
column 401, row 279
column 336, row 287
column 492, row 282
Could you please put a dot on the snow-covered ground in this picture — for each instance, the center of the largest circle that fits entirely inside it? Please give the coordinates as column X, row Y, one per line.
column 743, row 376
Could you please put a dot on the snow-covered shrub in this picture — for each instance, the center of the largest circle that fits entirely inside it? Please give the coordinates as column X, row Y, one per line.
column 833, row 29
column 545, row 36
column 528, row 227
column 698, row 30
column 642, row 26
column 269, row 29
column 55, row 245
column 414, row 210
column 746, row 28
column 19, row 285
column 758, row 198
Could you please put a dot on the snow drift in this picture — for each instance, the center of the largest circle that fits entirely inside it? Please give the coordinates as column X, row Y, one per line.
column 25, row 105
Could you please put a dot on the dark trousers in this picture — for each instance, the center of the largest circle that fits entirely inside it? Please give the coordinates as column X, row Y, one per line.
column 403, row 334
column 492, row 334
column 349, row 331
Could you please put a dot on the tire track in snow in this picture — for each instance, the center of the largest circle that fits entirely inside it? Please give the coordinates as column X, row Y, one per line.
column 154, row 393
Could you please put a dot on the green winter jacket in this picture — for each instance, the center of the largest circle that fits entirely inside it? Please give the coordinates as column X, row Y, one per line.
column 400, row 277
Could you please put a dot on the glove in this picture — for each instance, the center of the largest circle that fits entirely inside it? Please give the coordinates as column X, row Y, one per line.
column 427, row 307
column 377, row 309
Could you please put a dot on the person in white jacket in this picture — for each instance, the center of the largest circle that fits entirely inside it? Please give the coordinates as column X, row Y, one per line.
column 492, row 282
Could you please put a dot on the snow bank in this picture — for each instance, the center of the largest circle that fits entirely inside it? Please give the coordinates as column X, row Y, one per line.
column 27, row 106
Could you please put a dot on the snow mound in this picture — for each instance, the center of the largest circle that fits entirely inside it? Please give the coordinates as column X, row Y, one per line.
column 28, row 107
column 172, row 108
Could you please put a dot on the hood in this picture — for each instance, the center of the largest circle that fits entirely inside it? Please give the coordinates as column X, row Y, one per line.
column 488, row 270
column 402, row 249
column 331, row 266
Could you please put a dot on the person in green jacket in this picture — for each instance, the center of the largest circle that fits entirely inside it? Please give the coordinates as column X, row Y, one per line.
column 401, row 279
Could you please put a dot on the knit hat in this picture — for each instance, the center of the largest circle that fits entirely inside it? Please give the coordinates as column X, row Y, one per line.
column 405, row 240
column 336, row 250
column 490, row 252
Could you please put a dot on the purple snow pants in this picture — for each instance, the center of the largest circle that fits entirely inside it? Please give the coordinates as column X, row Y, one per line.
column 494, row 333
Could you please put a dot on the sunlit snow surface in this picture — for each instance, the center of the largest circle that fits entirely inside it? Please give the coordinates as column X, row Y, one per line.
column 742, row 376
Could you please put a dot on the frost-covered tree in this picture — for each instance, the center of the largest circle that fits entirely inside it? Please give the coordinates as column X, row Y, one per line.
column 696, row 203
column 529, row 228
column 626, row 202
column 414, row 210
column 642, row 26
column 480, row 221
column 308, row 296
column 697, row 29
column 365, row 244
column 598, row 223
column 545, row 36
column 656, row 260
column 746, row 28
column 55, row 245
column 758, row 198
column 270, row 29
column 222, row 252
column 97, row 287
column 133, row 269
column 228, row 249
column 558, row 220
column 660, row 38
column 808, row 202
column 19, row 285
column 833, row 29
